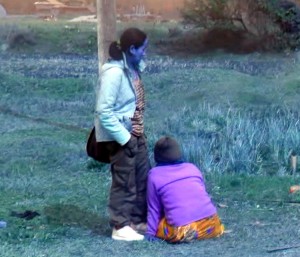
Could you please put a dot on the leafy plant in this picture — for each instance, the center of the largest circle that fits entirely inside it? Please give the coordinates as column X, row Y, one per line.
column 277, row 22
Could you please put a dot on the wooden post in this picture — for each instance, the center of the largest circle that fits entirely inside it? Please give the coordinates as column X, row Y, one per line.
column 106, row 33
column 106, row 17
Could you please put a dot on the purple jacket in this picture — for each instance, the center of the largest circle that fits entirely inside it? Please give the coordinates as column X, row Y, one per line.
column 177, row 192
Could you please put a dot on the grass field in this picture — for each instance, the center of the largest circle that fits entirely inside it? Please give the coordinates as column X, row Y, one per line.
column 236, row 117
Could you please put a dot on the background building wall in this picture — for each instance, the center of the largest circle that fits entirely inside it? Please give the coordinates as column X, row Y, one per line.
column 18, row 6
column 167, row 9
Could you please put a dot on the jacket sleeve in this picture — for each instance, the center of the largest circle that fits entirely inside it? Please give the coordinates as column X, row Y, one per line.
column 154, row 208
column 110, row 83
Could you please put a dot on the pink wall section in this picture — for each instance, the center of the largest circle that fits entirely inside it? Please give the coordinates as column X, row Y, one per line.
column 167, row 9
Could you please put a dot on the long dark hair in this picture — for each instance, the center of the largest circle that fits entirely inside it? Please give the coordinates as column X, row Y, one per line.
column 131, row 36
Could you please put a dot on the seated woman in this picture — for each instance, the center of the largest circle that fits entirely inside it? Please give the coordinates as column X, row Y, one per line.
column 179, row 208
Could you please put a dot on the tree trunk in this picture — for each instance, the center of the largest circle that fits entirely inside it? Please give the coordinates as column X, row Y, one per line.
column 106, row 16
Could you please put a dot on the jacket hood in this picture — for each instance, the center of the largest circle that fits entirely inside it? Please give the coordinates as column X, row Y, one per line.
column 112, row 64
column 122, row 64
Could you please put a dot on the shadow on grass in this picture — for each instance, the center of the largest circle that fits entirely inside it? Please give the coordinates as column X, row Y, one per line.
column 72, row 215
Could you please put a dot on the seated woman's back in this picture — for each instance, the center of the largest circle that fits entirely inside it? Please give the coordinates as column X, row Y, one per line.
column 181, row 191
column 179, row 208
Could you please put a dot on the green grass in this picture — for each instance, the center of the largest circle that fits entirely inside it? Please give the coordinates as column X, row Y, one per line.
column 60, row 89
column 238, row 128
column 227, row 88
column 237, row 122
column 63, row 36
column 59, row 37
column 74, row 221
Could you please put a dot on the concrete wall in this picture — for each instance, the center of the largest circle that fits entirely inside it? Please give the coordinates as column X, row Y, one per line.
column 18, row 6
column 168, row 9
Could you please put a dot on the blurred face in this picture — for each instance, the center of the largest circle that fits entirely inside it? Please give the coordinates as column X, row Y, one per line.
column 137, row 54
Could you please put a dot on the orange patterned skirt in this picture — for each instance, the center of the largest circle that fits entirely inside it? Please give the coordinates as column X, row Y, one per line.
column 202, row 229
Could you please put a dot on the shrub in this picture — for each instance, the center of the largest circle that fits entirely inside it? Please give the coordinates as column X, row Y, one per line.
column 276, row 22
column 15, row 37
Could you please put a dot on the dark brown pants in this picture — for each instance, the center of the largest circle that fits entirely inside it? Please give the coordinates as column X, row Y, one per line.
column 127, row 201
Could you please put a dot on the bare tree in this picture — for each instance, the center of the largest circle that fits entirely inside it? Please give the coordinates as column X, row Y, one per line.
column 106, row 15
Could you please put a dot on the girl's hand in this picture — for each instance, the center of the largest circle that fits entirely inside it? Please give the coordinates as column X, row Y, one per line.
column 130, row 147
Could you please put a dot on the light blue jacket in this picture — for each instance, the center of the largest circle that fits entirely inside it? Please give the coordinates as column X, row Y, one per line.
column 115, row 103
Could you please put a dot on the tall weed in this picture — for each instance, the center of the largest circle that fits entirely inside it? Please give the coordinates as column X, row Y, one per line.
column 234, row 141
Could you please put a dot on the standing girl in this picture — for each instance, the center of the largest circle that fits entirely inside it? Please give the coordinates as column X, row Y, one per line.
column 120, row 122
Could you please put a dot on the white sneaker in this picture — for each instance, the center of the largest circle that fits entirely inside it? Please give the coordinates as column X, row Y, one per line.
column 127, row 234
